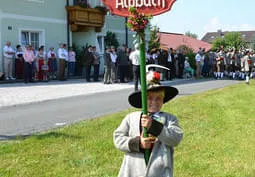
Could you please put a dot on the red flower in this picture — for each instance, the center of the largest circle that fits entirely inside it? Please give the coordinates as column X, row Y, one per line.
column 156, row 75
column 137, row 22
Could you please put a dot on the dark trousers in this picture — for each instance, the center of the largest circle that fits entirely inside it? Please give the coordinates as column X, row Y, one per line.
column 181, row 69
column 62, row 65
column 19, row 68
column 96, row 72
column 28, row 72
column 172, row 70
column 168, row 72
column 71, row 68
column 123, row 72
column 87, row 72
column 136, row 71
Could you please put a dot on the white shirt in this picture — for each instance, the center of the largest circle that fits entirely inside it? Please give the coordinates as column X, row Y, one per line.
column 135, row 57
column 51, row 54
column 62, row 54
column 113, row 57
column 18, row 53
column 186, row 64
column 8, row 49
column 198, row 57
column 169, row 59
column 71, row 56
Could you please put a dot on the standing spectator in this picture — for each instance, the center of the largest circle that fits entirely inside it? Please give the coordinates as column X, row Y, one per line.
column 40, row 58
column 168, row 65
column 162, row 60
column 130, row 66
column 8, row 61
column 63, row 56
column 19, row 63
column 122, row 60
column 212, row 63
column 135, row 58
column 96, row 63
column 71, row 61
column 206, row 69
column 171, row 62
column 29, row 57
column 181, row 60
column 220, row 63
column 107, row 66
column 245, row 62
column 88, row 61
column 114, row 64
column 198, row 59
column 52, row 62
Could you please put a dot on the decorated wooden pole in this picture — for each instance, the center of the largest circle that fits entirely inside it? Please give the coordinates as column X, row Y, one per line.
column 139, row 12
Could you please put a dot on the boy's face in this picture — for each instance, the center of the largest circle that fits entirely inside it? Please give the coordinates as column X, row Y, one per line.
column 155, row 101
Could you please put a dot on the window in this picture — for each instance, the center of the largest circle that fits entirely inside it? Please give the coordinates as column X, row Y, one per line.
column 79, row 2
column 38, row 1
column 29, row 37
column 100, row 42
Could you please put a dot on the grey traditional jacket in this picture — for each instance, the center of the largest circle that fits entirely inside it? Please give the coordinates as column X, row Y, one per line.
column 126, row 139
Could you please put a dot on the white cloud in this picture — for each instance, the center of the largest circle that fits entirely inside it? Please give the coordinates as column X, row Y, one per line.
column 215, row 24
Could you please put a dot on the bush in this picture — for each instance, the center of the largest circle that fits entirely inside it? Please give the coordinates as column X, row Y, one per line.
column 79, row 64
column 192, row 60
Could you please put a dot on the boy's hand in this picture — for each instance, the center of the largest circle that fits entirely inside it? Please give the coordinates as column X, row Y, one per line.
column 146, row 121
column 146, row 143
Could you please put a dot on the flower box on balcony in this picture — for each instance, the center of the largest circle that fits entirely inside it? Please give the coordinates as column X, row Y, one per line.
column 81, row 18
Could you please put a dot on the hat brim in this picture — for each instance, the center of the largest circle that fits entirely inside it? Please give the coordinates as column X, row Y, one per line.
column 135, row 99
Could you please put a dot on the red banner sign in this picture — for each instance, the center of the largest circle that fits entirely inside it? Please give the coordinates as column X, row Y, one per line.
column 148, row 7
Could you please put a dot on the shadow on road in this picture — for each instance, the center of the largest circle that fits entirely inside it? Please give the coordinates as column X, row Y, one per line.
column 39, row 136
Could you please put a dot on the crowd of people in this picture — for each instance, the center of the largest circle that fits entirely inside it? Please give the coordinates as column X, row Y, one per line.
column 123, row 65
column 32, row 65
column 226, row 63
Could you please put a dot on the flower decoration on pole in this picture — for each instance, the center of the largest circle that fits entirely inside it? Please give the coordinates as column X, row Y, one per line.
column 138, row 22
column 153, row 78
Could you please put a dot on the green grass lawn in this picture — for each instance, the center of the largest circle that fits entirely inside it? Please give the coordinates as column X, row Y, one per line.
column 219, row 141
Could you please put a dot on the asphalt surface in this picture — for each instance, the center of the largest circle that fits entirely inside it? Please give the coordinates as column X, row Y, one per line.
column 30, row 108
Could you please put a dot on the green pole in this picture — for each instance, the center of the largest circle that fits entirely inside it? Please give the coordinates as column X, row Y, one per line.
column 143, row 89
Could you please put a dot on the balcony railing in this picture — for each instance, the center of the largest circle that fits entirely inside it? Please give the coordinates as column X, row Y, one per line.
column 81, row 18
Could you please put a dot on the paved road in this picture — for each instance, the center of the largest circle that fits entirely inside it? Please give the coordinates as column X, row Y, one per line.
column 25, row 119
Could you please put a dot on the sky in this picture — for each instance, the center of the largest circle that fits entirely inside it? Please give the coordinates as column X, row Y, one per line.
column 202, row 16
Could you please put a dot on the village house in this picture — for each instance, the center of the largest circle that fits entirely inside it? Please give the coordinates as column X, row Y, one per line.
column 247, row 36
column 51, row 22
column 175, row 40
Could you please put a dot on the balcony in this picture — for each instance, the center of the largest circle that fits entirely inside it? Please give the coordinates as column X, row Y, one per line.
column 81, row 18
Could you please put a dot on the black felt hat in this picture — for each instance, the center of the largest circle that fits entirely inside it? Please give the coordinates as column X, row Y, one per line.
column 153, row 84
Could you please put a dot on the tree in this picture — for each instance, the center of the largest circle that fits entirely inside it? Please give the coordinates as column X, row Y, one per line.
column 111, row 40
column 234, row 39
column 231, row 39
column 218, row 42
column 154, row 42
column 193, row 35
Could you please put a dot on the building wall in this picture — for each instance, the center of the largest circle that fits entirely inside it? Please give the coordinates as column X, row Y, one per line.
column 35, row 8
column 51, row 23
column 49, row 17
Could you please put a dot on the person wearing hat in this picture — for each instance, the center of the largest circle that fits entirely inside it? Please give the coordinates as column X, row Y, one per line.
column 245, row 68
column 163, row 129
